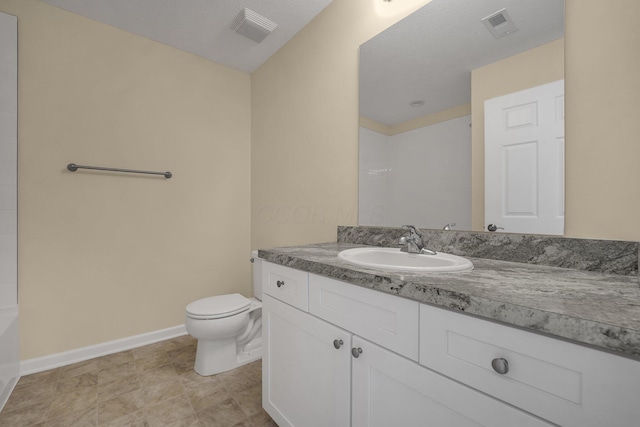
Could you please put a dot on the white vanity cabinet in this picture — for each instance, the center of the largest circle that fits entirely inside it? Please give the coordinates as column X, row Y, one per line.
column 351, row 359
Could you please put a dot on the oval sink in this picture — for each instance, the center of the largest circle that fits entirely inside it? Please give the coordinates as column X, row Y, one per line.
column 394, row 260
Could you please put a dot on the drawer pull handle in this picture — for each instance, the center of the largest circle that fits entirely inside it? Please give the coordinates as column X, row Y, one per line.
column 337, row 343
column 355, row 352
column 280, row 283
column 500, row 365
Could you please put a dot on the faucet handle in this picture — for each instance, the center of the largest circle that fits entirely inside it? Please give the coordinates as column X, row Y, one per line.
column 412, row 229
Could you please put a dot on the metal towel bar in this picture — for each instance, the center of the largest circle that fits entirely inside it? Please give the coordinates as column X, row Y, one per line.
column 73, row 167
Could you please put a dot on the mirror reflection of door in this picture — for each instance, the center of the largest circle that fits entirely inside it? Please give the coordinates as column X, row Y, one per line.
column 524, row 160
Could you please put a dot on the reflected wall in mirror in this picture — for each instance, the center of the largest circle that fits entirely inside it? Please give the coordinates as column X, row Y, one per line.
column 423, row 84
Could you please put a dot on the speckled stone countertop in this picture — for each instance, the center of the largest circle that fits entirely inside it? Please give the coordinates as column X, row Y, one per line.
column 597, row 309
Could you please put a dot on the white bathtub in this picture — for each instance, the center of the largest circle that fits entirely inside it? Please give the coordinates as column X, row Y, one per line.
column 9, row 353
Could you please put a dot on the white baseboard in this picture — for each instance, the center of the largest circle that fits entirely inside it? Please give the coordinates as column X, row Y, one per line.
column 44, row 363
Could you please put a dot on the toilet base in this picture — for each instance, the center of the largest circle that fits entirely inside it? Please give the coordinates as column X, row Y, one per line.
column 214, row 357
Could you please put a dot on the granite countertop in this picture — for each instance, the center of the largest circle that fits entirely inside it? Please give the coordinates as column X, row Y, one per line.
column 600, row 310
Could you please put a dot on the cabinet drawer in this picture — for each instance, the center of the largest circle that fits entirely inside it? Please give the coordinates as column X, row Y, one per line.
column 286, row 284
column 389, row 321
column 562, row 382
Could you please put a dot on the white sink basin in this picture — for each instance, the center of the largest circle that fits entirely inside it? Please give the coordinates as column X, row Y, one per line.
column 393, row 259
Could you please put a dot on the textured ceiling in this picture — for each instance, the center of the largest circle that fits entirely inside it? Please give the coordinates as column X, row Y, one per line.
column 430, row 54
column 202, row 27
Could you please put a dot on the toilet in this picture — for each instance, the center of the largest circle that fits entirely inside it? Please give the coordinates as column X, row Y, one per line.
column 228, row 327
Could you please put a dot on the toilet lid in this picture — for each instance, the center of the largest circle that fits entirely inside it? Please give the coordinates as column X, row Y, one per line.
column 218, row 306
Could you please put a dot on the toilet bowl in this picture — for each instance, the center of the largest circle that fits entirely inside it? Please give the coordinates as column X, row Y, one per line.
column 228, row 328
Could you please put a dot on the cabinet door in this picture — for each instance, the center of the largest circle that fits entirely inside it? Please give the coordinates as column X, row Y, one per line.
column 306, row 379
column 389, row 390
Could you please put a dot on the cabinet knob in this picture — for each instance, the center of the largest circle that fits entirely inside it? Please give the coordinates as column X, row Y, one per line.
column 337, row 343
column 355, row 352
column 280, row 283
column 500, row 365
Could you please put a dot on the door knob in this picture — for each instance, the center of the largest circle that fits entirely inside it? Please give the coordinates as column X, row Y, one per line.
column 280, row 283
column 355, row 352
column 337, row 343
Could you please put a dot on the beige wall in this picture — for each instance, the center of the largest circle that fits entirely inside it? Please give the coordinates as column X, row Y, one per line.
column 602, row 115
column 104, row 256
column 417, row 123
column 432, row 119
column 367, row 123
column 534, row 67
column 305, row 125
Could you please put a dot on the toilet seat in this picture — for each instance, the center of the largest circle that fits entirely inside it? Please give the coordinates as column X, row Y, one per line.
column 218, row 307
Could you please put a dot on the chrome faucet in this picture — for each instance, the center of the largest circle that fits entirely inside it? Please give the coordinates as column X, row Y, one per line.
column 413, row 243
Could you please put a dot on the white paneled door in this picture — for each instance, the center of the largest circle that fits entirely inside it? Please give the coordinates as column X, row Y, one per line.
column 524, row 161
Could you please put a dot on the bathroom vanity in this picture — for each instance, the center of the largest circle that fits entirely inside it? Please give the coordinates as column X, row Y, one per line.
column 506, row 344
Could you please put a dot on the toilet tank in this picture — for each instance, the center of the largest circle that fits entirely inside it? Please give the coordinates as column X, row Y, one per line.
column 257, row 275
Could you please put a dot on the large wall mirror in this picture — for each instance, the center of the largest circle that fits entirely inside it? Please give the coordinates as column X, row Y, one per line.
column 423, row 87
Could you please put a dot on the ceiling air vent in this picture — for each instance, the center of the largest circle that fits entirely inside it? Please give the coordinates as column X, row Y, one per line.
column 499, row 24
column 253, row 26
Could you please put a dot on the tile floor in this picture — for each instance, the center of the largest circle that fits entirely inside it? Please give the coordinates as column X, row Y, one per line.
column 154, row 385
